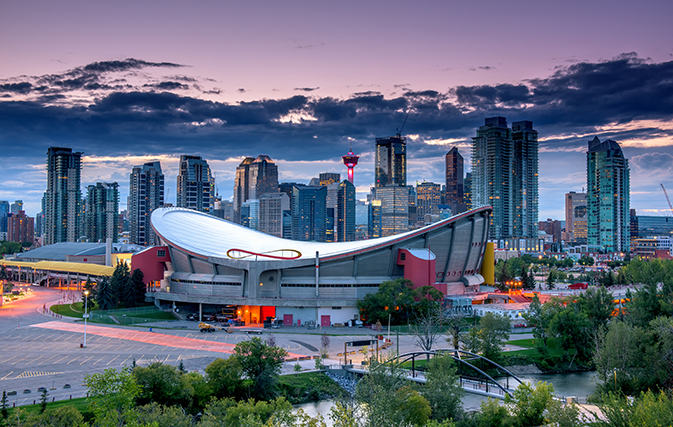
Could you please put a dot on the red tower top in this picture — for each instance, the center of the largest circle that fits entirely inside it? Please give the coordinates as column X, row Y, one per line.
column 350, row 160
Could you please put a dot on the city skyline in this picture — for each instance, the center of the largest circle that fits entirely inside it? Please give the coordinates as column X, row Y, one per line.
column 326, row 92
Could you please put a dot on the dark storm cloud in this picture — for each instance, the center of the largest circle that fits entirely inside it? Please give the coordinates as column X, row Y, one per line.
column 573, row 100
column 306, row 89
column 23, row 87
column 87, row 77
column 168, row 85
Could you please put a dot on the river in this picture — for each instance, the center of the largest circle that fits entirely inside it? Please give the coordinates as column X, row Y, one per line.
column 578, row 384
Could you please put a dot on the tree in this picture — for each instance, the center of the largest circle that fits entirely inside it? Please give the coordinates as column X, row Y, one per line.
column 442, row 389
column 493, row 330
column 529, row 403
column 393, row 298
column 381, row 399
column 551, row 279
column 598, row 304
column 111, row 396
column 573, row 329
column 162, row 415
column 261, row 364
column 539, row 317
column 224, row 376
column 454, row 322
column 161, row 383
column 43, row 401
column 586, row 260
column 324, row 345
column 4, row 405
column 120, row 283
column 428, row 327
column 104, row 295
column 199, row 389
column 229, row 413
column 138, row 286
column 7, row 287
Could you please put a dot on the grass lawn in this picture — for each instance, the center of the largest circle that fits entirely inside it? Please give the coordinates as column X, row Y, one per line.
column 159, row 315
column 69, row 310
column 79, row 404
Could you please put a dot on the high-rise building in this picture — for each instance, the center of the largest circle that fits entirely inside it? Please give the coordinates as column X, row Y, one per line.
column 223, row 209
column 17, row 206
column 576, row 217
column 345, row 216
column 102, row 212
column 309, row 215
column 63, row 197
column 525, row 198
column 254, row 177
column 146, row 193
column 552, row 228
column 196, row 185
column 505, row 176
column 250, row 214
column 391, row 161
column 467, row 190
column 428, row 197
column 394, row 209
column 608, row 186
column 271, row 208
column 20, row 228
column 374, row 220
column 327, row 178
column 454, row 177
column 4, row 212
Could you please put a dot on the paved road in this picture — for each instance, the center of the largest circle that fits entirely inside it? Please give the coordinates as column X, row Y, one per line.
column 39, row 350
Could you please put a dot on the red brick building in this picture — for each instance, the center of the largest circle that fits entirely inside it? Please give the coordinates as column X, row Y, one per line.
column 20, row 228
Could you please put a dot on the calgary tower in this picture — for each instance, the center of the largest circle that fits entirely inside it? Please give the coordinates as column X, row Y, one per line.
column 350, row 160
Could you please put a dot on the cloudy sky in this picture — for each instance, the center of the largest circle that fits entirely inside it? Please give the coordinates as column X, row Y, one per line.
column 301, row 81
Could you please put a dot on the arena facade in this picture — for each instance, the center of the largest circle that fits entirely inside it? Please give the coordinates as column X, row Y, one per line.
column 214, row 266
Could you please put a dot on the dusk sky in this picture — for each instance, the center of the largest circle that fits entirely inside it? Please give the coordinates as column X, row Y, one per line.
column 127, row 82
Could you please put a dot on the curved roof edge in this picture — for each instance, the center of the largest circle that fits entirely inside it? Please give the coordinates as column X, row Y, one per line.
column 203, row 236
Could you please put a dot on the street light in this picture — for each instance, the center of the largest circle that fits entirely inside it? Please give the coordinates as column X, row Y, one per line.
column 615, row 380
column 86, row 314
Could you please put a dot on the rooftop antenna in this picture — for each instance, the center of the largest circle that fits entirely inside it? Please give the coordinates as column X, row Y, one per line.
column 399, row 130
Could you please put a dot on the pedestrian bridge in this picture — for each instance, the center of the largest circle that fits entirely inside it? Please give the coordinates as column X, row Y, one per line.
column 477, row 374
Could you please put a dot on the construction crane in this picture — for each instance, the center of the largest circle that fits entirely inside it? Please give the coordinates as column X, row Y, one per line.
column 667, row 199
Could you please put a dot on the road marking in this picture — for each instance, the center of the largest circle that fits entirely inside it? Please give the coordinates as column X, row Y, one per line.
column 13, row 363
column 7, row 360
column 64, row 357
column 30, row 374
column 125, row 360
column 48, row 359
column 7, row 375
column 112, row 360
column 99, row 360
column 166, row 360
column 90, row 357
column 76, row 357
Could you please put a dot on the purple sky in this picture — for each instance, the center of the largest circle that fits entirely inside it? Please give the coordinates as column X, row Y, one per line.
column 301, row 81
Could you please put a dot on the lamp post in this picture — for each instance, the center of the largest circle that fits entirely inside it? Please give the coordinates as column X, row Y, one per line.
column 86, row 314
column 615, row 380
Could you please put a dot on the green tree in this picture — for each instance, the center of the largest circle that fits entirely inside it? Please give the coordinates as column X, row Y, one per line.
column 586, row 260
column 138, row 286
column 261, row 364
column 493, row 414
column 224, row 376
column 162, row 415
column 529, row 403
column 229, row 413
column 199, row 389
column 551, row 279
column 393, row 298
column 4, row 405
column 494, row 329
column 161, row 383
column 105, row 299
column 120, row 283
column 598, row 305
column 573, row 330
column 381, row 397
column 65, row 416
column 88, row 286
column 111, row 397
column 7, row 287
column 43, row 400
column 442, row 389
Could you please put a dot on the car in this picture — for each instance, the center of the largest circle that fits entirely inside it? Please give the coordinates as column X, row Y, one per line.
column 41, row 389
column 66, row 386
column 26, row 391
column 11, row 393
